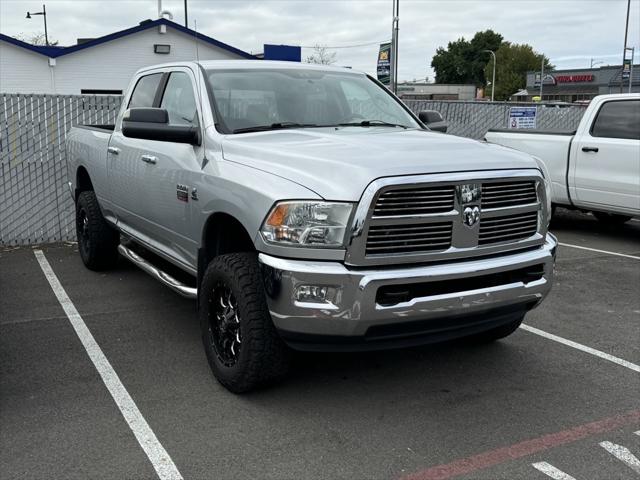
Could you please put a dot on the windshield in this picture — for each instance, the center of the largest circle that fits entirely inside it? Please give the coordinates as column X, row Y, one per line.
column 263, row 99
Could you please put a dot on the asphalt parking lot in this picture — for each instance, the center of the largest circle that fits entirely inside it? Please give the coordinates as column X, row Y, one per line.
column 528, row 406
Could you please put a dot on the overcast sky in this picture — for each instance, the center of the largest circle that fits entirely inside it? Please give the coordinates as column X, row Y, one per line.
column 570, row 32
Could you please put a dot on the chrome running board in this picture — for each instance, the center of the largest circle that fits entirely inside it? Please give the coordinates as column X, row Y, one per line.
column 163, row 277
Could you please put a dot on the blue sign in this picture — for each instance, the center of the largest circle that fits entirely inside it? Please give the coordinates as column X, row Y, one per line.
column 522, row 117
column 282, row 52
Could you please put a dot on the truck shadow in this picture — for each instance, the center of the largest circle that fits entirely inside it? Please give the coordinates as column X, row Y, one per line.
column 578, row 222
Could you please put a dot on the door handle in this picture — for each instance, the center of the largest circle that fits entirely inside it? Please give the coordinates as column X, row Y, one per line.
column 113, row 150
column 590, row 149
column 149, row 159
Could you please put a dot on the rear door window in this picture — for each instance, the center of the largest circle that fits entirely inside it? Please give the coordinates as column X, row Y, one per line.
column 618, row 119
column 145, row 91
column 179, row 100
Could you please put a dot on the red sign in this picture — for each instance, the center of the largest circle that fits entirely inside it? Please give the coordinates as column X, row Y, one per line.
column 574, row 78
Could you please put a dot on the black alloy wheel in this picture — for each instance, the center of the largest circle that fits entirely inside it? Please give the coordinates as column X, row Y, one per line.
column 224, row 325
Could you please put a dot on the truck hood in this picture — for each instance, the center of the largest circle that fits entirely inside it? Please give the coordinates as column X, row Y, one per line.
column 339, row 163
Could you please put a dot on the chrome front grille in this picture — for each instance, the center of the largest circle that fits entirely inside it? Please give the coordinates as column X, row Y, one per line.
column 411, row 238
column 509, row 228
column 414, row 201
column 447, row 216
column 508, row 194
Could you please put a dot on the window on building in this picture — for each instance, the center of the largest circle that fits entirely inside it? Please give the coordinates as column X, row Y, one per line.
column 145, row 91
column 99, row 91
column 179, row 100
column 618, row 119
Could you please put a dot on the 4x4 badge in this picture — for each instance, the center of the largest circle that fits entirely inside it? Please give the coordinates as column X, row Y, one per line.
column 470, row 193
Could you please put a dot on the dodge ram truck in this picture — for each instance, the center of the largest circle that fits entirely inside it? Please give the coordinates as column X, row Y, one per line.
column 595, row 168
column 306, row 207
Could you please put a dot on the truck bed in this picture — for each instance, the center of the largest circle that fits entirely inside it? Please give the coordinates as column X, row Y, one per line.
column 95, row 126
column 552, row 147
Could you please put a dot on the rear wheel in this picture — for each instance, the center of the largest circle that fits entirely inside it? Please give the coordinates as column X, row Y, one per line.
column 242, row 346
column 97, row 241
column 495, row 333
column 611, row 218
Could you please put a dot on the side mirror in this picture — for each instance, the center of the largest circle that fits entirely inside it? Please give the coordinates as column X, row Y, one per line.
column 433, row 120
column 153, row 124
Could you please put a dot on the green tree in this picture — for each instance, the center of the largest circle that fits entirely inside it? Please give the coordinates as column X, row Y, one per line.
column 513, row 62
column 464, row 61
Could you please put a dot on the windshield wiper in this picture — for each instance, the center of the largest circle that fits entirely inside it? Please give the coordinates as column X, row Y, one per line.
column 370, row 123
column 273, row 126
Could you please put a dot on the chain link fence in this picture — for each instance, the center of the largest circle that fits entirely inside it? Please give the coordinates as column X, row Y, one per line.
column 474, row 119
column 35, row 205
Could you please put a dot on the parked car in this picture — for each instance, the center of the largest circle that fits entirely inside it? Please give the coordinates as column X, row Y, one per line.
column 309, row 209
column 595, row 168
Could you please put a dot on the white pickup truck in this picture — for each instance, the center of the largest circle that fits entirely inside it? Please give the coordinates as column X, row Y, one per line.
column 597, row 167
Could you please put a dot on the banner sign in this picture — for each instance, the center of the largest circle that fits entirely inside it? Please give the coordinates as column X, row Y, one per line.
column 384, row 63
column 522, row 117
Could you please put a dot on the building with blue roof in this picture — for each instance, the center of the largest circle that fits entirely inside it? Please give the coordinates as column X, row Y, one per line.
column 103, row 65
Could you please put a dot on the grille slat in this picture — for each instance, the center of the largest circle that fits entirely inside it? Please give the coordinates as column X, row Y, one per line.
column 399, row 239
column 508, row 228
column 508, row 194
column 414, row 201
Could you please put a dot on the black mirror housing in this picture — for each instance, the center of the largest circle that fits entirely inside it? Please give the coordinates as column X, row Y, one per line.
column 433, row 120
column 153, row 124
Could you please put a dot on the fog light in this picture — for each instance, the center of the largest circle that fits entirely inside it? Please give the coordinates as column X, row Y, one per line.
column 315, row 294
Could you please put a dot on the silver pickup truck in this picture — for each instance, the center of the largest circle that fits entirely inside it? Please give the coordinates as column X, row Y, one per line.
column 306, row 207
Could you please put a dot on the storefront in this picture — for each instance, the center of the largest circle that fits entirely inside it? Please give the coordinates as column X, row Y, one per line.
column 577, row 85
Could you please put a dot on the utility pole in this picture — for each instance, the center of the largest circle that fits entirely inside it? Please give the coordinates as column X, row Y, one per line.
column 493, row 79
column 624, row 51
column 186, row 17
column 394, row 46
column 541, row 76
column 44, row 15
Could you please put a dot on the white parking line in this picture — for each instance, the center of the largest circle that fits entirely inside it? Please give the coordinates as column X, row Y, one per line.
column 584, row 348
column 551, row 471
column 623, row 454
column 599, row 251
column 160, row 459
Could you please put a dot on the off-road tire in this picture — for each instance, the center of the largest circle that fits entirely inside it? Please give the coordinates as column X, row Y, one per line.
column 495, row 333
column 263, row 358
column 611, row 218
column 97, row 240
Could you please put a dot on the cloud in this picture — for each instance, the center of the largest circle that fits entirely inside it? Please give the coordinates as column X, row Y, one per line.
column 570, row 32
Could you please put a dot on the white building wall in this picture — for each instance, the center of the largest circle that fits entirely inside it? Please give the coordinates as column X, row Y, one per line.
column 22, row 70
column 108, row 66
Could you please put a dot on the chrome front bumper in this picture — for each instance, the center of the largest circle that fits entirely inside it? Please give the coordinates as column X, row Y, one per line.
column 353, row 310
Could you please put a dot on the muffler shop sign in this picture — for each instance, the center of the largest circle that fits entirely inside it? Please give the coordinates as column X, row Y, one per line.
column 574, row 78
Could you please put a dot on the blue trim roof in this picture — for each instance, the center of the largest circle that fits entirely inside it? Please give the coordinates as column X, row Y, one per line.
column 54, row 52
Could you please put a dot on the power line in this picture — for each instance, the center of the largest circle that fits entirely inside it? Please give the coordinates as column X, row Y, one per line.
column 347, row 46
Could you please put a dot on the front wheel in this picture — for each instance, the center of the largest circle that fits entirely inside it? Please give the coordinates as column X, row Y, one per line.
column 242, row 346
column 97, row 241
column 611, row 218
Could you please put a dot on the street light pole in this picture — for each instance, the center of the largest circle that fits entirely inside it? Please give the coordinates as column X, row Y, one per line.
column 394, row 46
column 624, row 51
column 186, row 18
column 493, row 79
column 44, row 14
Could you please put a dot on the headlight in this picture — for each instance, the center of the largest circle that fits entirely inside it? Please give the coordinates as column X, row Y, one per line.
column 307, row 224
column 547, row 186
